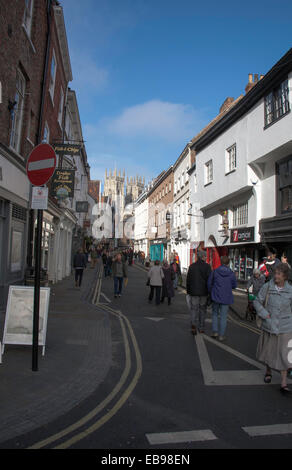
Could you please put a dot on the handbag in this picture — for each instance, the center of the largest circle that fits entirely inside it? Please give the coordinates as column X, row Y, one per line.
column 259, row 320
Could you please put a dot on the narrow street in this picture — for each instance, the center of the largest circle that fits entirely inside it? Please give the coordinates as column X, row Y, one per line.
column 166, row 389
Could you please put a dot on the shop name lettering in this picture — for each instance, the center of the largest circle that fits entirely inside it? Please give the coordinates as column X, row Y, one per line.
column 63, row 177
column 70, row 150
column 238, row 236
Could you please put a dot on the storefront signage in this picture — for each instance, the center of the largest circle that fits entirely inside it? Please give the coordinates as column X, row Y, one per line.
column 241, row 235
column 86, row 224
column 67, row 149
column 82, row 206
column 63, row 184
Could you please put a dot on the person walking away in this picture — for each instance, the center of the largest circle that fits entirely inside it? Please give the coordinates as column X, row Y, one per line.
column 167, row 283
column 197, row 290
column 79, row 264
column 274, row 307
column 155, row 279
column 119, row 274
column 271, row 263
column 104, row 261
column 109, row 263
column 93, row 255
column 221, row 282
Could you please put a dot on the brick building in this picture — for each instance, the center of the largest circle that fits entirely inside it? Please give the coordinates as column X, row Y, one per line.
column 23, row 32
column 160, row 199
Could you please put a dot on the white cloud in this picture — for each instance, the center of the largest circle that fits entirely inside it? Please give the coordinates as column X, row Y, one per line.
column 88, row 76
column 156, row 119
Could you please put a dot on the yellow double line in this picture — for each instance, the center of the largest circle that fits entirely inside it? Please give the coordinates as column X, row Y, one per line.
column 125, row 324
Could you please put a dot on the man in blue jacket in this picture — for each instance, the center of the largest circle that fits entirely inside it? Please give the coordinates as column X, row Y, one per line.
column 220, row 285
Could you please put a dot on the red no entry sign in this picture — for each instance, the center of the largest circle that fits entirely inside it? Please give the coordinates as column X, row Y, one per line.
column 41, row 164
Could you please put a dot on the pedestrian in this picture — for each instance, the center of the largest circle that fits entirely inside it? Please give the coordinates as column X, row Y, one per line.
column 104, row 261
column 197, row 290
column 220, row 285
column 284, row 260
column 79, row 264
column 274, row 307
column 256, row 282
column 109, row 263
column 119, row 274
column 93, row 254
column 272, row 262
column 177, row 273
column 167, row 283
column 263, row 268
column 155, row 280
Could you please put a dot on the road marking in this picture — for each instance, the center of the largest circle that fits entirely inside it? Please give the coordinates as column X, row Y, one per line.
column 223, row 378
column 123, row 398
column 105, row 297
column 154, row 319
column 180, row 437
column 272, row 430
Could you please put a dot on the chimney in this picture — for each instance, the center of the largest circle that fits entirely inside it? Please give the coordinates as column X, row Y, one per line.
column 226, row 104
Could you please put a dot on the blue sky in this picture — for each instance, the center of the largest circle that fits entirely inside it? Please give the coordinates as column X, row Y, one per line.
column 150, row 74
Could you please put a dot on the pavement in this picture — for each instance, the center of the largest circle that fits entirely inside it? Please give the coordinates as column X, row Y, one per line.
column 123, row 374
column 77, row 358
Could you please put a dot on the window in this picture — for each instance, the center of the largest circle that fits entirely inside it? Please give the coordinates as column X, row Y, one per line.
column 169, row 187
column 53, row 76
column 277, row 103
column 61, row 107
column 27, row 19
column 240, row 215
column 46, row 136
column 231, row 159
column 17, row 112
column 285, row 185
column 209, row 172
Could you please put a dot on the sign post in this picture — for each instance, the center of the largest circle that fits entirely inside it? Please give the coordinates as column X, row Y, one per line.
column 40, row 168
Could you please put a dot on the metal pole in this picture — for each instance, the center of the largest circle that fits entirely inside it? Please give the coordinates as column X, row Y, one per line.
column 37, row 285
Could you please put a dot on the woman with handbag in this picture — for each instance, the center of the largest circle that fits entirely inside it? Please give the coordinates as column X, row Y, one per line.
column 155, row 281
column 274, row 308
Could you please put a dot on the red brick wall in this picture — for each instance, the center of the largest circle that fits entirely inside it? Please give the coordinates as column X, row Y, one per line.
column 17, row 51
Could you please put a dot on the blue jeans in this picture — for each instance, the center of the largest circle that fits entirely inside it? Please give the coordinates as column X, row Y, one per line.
column 219, row 310
column 118, row 285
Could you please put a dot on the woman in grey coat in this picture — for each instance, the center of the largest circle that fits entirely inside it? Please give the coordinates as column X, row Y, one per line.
column 155, row 280
column 274, row 307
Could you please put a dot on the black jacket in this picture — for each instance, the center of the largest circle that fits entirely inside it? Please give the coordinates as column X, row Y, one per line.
column 197, row 278
column 79, row 261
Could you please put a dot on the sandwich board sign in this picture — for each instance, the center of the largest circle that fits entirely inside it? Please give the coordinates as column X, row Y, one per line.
column 18, row 328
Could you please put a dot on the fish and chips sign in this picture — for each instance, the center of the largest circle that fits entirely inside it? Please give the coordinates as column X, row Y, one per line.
column 63, row 183
column 71, row 150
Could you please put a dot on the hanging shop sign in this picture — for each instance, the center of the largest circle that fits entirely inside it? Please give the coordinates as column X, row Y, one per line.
column 63, row 184
column 71, row 150
column 241, row 235
column 82, row 206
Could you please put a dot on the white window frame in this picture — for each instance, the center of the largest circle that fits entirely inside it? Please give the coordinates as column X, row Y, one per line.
column 231, row 159
column 27, row 17
column 53, row 76
column 209, row 173
column 17, row 116
column 240, row 215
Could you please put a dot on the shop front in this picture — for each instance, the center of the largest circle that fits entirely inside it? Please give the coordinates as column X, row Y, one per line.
column 157, row 250
column 276, row 232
